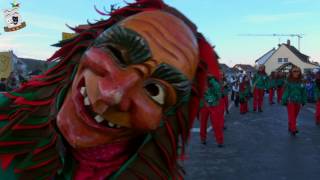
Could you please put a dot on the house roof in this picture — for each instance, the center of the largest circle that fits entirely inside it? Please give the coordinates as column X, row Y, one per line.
column 225, row 68
column 263, row 59
column 304, row 58
column 295, row 51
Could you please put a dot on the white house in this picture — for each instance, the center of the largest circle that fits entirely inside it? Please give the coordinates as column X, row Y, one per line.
column 286, row 53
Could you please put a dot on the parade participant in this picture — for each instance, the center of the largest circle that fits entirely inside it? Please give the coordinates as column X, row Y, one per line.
column 233, row 81
column 117, row 104
column 310, row 86
column 272, row 86
column 280, row 85
column 235, row 89
column 317, row 97
column 294, row 96
column 260, row 82
column 244, row 95
column 225, row 92
column 214, row 108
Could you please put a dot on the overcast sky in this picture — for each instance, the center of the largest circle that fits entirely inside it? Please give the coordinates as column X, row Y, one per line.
column 220, row 21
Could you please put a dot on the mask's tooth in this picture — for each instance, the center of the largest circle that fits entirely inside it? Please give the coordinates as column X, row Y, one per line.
column 86, row 101
column 83, row 91
column 110, row 124
column 99, row 119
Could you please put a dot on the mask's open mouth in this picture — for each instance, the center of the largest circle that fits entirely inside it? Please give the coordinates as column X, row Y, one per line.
column 84, row 107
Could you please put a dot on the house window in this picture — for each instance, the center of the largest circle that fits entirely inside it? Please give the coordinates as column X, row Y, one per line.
column 283, row 60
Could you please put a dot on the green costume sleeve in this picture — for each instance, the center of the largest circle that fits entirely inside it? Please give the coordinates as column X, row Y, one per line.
column 254, row 78
column 8, row 174
column 279, row 82
column 269, row 84
column 272, row 83
column 316, row 93
column 213, row 94
column 285, row 95
column 266, row 82
column 4, row 101
column 241, row 96
column 201, row 105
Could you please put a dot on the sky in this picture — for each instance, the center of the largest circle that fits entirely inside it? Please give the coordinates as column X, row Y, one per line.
column 222, row 22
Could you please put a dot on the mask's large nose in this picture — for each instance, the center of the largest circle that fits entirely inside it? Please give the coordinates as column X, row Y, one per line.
column 120, row 95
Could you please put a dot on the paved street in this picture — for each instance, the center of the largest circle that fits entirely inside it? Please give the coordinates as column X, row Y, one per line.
column 258, row 147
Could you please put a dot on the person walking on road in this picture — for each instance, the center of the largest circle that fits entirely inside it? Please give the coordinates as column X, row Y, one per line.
column 225, row 92
column 244, row 95
column 260, row 82
column 212, row 106
column 272, row 87
column 294, row 96
column 317, row 98
column 235, row 89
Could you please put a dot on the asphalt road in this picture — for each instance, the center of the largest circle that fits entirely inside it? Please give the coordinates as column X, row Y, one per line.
column 258, row 147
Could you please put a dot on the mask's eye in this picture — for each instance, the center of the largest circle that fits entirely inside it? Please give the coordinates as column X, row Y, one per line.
column 156, row 92
column 127, row 45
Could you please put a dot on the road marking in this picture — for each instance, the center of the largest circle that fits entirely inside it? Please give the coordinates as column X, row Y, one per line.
column 197, row 130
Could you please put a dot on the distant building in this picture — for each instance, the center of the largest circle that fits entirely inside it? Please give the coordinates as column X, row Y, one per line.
column 226, row 69
column 19, row 69
column 244, row 69
column 6, row 64
column 286, row 53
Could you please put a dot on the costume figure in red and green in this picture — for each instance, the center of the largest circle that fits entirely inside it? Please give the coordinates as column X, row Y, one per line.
column 244, row 93
column 317, row 97
column 117, row 104
column 260, row 83
column 295, row 96
column 213, row 107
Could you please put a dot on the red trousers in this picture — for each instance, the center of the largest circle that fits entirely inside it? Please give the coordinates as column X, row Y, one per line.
column 258, row 95
column 244, row 107
column 279, row 94
column 217, row 122
column 318, row 112
column 293, row 111
column 271, row 95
